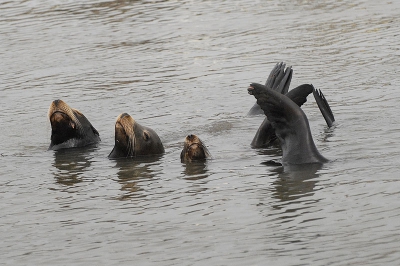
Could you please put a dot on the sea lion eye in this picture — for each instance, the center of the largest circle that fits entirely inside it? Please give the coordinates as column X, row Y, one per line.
column 146, row 135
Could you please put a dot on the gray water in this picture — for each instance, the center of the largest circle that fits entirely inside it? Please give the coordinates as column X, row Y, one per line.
column 183, row 67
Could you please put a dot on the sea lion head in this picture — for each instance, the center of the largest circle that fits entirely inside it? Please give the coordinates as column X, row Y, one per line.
column 69, row 127
column 194, row 149
column 133, row 139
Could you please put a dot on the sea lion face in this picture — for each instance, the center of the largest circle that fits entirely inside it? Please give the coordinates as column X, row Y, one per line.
column 194, row 149
column 132, row 139
column 69, row 127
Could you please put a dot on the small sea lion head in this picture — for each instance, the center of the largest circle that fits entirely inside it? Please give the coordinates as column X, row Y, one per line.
column 132, row 139
column 194, row 149
column 70, row 126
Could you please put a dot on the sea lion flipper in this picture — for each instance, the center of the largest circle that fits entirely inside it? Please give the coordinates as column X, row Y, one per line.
column 272, row 75
column 279, row 77
column 279, row 80
column 324, row 107
column 273, row 103
column 300, row 93
column 285, row 82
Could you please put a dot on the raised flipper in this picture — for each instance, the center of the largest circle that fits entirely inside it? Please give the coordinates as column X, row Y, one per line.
column 272, row 76
column 285, row 82
column 324, row 107
column 290, row 124
column 279, row 80
column 300, row 93
column 265, row 134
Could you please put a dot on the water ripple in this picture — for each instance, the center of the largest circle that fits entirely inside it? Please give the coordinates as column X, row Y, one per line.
column 182, row 67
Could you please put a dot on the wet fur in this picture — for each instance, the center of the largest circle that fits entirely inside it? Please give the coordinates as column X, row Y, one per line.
column 133, row 139
column 70, row 128
column 194, row 149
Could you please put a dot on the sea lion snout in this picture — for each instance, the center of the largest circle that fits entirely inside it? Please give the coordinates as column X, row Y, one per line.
column 59, row 117
column 250, row 90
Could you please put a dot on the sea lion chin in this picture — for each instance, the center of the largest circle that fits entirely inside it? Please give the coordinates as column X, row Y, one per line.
column 133, row 139
column 194, row 149
column 69, row 127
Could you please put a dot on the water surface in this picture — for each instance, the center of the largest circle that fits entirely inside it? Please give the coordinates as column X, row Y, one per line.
column 183, row 67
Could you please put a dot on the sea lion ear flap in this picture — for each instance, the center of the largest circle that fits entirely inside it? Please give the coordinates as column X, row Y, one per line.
column 146, row 135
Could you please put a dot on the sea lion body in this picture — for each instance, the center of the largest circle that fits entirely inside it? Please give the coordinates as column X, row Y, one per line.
column 133, row 139
column 69, row 127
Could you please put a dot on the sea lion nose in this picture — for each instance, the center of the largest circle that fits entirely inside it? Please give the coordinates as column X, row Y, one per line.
column 124, row 114
column 190, row 136
column 250, row 89
column 56, row 102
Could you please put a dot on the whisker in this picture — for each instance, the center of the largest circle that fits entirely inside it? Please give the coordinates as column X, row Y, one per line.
column 133, row 146
column 129, row 148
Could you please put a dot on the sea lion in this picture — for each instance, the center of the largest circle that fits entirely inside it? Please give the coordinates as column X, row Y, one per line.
column 279, row 80
column 194, row 149
column 290, row 124
column 133, row 139
column 69, row 127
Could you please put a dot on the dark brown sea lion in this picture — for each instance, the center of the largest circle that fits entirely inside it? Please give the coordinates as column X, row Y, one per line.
column 69, row 127
column 290, row 124
column 132, row 139
column 194, row 149
column 279, row 81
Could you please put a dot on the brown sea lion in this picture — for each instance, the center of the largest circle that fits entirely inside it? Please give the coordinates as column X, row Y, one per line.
column 69, row 127
column 194, row 149
column 132, row 139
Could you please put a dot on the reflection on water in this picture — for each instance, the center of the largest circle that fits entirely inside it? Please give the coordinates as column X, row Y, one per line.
column 71, row 165
column 133, row 171
column 195, row 170
column 295, row 181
